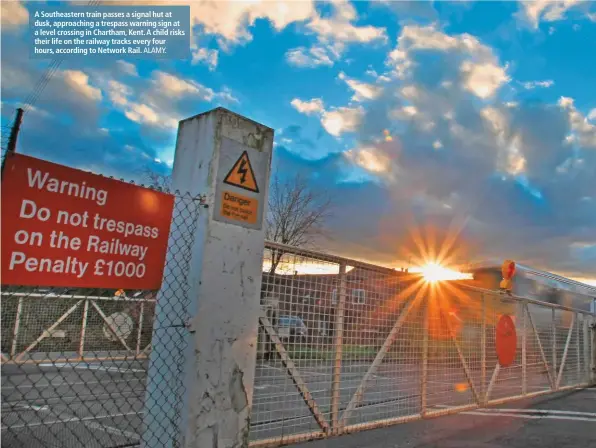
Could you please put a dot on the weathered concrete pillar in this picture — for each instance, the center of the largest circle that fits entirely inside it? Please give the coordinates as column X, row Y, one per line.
column 226, row 157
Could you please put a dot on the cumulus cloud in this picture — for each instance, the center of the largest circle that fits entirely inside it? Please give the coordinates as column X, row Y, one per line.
column 308, row 107
column 127, row 68
column 436, row 151
column 14, row 15
column 79, row 82
column 582, row 131
column 535, row 11
column 339, row 27
column 341, row 120
column 530, row 85
column 478, row 66
column 335, row 120
column 309, row 57
column 155, row 102
column 333, row 33
column 205, row 56
column 362, row 90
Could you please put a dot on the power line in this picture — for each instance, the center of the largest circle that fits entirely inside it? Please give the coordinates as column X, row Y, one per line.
column 46, row 76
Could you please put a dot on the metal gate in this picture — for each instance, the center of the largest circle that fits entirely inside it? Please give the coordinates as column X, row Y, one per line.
column 74, row 361
column 346, row 346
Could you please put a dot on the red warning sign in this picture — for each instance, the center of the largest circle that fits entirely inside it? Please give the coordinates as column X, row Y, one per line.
column 506, row 341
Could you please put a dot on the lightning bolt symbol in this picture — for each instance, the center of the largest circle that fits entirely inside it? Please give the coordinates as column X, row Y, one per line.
column 243, row 171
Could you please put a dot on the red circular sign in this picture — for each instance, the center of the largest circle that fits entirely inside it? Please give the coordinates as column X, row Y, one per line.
column 506, row 342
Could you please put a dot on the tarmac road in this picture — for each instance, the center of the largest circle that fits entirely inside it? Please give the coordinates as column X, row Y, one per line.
column 101, row 404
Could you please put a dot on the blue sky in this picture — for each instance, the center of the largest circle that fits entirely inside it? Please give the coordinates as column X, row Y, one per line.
column 474, row 116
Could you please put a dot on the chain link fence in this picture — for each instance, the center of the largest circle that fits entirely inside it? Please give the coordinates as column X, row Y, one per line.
column 346, row 346
column 74, row 361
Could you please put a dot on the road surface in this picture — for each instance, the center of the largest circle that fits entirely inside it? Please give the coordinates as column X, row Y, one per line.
column 101, row 404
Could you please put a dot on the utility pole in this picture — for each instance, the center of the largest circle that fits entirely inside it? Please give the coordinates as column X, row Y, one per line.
column 12, row 139
column 14, row 132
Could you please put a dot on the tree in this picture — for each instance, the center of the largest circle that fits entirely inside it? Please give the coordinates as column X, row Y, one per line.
column 296, row 216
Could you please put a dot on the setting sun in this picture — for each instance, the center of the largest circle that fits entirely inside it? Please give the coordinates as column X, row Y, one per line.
column 434, row 272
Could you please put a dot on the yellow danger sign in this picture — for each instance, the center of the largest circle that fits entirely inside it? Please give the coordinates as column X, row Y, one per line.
column 239, row 208
column 242, row 175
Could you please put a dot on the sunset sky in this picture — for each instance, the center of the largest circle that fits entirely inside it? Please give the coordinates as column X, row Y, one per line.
column 468, row 125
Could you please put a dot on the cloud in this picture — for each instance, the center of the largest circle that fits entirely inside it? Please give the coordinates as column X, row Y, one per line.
column 534, row 84
column 333, row 33
column 79, row 82
column 309, row 57
column 155, row 102
column 308, row 107
column 478, row 66
column 535, row 11
column 582, row 131
column 484, row 79
column 14, row 15
column 362, row 91
column 339, row 26
column 341, row 120
column 230, row 20
column 127, row 68
column 429, row 152
column 205, row 56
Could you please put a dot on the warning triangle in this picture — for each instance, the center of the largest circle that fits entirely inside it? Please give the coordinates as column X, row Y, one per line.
column 242, row 175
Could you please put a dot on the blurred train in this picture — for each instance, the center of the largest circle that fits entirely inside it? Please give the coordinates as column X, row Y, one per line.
column 539, row 285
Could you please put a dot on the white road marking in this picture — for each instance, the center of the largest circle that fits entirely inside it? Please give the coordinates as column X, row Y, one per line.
column 542, row 411
column 528, row 416
column 62, row 383
column 93, row 367
column 527, row 413
column 32, row 407
column 71, row 420
column 283, row 369
column 112, row 430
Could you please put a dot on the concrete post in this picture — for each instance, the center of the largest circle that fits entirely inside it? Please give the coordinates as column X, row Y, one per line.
column 226, row 157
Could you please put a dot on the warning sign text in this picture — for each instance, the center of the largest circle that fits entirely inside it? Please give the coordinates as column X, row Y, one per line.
column 66, row 227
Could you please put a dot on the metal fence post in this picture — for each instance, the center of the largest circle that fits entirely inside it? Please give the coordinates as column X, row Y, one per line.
column 338, row 346
column 83, row 329
column 578, row 351
column 554, row 347
column 424, row 376
column 226, row 158
column 524, row 351
column 483, row 351
column 593, row 352
column 15, row 333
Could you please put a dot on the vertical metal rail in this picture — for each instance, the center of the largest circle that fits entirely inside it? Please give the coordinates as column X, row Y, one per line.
column 586, row 354
column 424, row 375
column 524, row 351
column 83, row 329
column 593, row 352
column 554, row 349
column 577, row 350
column 336, row 426
column 140, row 329
column 15, row 331
column 483, row 351
column 565, row 352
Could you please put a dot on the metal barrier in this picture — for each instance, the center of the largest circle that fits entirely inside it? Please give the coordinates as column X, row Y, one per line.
column 74, row 363
column 346, row 346
column 343, row 346
column 51, row 327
